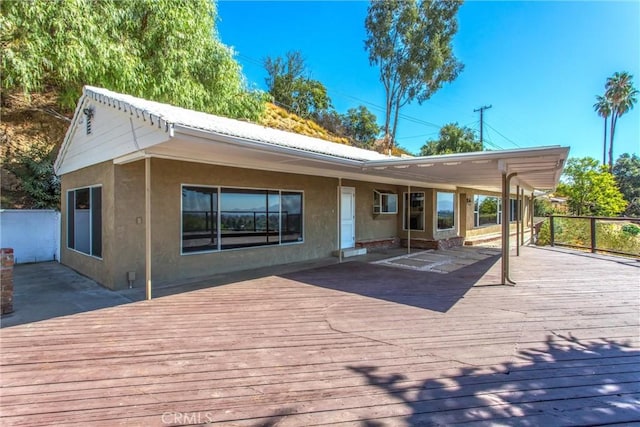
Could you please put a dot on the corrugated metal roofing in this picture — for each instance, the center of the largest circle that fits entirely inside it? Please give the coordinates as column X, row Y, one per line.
column 231, row 127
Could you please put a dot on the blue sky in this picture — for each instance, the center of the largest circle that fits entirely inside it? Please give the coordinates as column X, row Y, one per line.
column 539, row 64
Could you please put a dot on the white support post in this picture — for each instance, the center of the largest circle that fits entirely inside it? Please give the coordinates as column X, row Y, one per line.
column 147, row 228
column 517, row 220
column 531, row 214
column 340, row 220
column 506, row 185
column 408, row 218
column 521, row 216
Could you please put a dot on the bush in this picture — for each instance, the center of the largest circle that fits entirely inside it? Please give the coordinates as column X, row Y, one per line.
column 544, row 236
column 631, row 229
column 577, row 232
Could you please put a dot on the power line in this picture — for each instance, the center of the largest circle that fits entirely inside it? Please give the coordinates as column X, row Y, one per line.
column 489, row 141
column 508, row 139
column 481, row 110
column 371, row 104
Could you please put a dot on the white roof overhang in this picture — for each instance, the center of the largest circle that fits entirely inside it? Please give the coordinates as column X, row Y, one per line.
column 535, row 168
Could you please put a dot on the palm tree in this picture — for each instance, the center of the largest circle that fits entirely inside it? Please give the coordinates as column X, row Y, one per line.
column 603, row 108
column 622, row 96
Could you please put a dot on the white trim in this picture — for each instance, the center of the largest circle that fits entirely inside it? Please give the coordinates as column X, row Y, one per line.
column 405, row 212
column 352, row 192
column 89, row 187
column 435, row 212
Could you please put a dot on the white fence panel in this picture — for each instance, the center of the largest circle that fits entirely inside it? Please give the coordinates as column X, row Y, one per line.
column 34, row 235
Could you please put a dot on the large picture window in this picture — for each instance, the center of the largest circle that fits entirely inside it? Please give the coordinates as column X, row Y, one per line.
column 487, row 211
column 230, row 218
column 445, row 210
column 199, row 219
column 413, row 211
column 84, row 220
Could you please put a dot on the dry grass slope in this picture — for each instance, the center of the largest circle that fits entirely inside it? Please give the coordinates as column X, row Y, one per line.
column 279, row 118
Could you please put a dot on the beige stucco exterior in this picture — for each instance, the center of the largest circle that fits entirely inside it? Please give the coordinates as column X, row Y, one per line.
column 123, row 213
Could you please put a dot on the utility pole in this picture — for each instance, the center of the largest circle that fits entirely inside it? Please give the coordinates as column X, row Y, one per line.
column 481, row 109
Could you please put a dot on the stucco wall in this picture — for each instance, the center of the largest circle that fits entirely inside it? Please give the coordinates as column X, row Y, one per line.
column 123, row 213
column 370, row 226
column 101, row 270
column 34, row 235
column 129, row 229
column 167, row 176
column 428, row 214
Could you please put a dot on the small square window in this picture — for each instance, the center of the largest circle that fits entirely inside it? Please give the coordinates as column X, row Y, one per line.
column 384, row 202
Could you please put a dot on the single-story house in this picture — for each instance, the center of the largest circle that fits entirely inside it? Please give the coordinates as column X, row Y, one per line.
column 153, row 192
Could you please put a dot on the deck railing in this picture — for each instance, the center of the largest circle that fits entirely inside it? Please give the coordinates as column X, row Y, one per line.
column 619, row 235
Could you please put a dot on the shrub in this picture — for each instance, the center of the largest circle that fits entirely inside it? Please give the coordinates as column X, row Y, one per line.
column 631, row 229
column 544, row 236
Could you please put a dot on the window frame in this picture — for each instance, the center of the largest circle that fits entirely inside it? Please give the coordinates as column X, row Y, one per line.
column 378, row 204
column 476, row 212
column 453, row 212
column 219, row 191
column 406, row 202
column 92, row 218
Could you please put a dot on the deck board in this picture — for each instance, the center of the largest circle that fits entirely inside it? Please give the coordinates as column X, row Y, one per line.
column 349, row 344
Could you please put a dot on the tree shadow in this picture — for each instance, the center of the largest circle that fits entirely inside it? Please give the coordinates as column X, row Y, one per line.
column 430, row 290
column 565, row 382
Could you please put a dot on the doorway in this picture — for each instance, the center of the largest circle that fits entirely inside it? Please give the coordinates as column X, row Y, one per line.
column 347, row 217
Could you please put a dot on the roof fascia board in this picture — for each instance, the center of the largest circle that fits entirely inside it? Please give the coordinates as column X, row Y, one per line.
column 68, row 136
column 475, row 156
column 326, row 173
column 200, row 135
column 130, row 158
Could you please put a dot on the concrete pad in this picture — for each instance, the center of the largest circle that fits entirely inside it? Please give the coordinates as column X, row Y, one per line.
column 441, row 261
column 47, row 290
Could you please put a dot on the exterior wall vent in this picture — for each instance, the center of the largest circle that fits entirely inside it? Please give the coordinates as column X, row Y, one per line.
column 88, row 112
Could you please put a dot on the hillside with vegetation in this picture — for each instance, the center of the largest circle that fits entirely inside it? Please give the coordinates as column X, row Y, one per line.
column 51, row 49
column 279, row 118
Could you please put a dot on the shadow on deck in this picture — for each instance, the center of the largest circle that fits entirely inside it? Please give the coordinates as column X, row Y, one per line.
column 436, row 290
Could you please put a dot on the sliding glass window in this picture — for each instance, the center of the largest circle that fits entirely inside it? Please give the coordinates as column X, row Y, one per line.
column 84, row 220
column 232, row 218
column 487, row 210
column 249, row 218
column 199, row 219
column 291, row 217
column 414, row 202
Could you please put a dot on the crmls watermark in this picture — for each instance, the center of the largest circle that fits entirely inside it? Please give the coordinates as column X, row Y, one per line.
column 186, row 418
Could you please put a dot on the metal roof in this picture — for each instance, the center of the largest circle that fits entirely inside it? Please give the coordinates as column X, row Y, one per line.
column 200, row 137
column 176, row 116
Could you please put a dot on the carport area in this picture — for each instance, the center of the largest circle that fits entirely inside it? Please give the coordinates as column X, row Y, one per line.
column 356, row 343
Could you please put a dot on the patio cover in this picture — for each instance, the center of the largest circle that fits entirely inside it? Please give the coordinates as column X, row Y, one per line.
column 193, row 136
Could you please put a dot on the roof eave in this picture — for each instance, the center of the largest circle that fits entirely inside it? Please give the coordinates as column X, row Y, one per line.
column 179, row 130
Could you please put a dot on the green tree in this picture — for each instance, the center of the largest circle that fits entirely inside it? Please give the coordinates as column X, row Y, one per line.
column 162, row 50
column 34, row 170
column 603, row 108
column 622, row 97
column 331, row 120
column 361, row 127
column 452, row 139
column 290, row 87
column 627, row 173
column 590, row 188
column 411, row 42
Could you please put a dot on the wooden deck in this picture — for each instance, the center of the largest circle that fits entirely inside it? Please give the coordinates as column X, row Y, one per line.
column 349, row 344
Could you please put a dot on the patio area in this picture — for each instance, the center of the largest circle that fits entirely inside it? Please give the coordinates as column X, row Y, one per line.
column 358, row 343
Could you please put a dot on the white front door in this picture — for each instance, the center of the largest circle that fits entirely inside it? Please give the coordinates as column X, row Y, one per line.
column 347, row 217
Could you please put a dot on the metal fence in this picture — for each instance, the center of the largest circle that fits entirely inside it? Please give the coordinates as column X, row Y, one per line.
column 619, row 235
